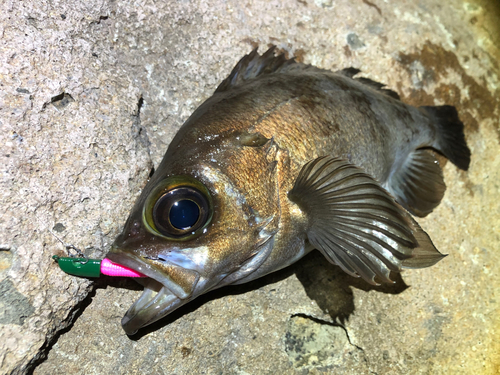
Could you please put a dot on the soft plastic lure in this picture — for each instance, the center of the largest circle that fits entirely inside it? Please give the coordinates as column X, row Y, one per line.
column 85, row 267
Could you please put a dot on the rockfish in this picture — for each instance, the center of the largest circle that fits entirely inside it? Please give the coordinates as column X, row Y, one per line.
column 285, row 158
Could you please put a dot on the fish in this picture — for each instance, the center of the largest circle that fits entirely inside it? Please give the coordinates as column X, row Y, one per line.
column 282, row 159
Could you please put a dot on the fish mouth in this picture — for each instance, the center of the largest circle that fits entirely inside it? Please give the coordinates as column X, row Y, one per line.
column 160, row 297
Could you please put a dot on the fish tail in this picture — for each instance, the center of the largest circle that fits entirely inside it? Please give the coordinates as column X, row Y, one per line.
column 451, row 139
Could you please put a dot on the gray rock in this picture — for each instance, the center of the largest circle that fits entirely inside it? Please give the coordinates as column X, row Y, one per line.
column 92, row 93
column 14, row 307
column 354, row 41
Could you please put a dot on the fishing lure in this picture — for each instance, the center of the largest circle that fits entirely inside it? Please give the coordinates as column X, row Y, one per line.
column 86, row 267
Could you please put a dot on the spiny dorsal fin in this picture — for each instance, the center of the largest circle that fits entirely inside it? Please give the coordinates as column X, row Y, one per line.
column 351, row 72
column 356, row 224
column 254, row 65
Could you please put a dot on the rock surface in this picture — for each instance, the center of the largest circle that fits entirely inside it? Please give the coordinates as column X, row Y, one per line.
column 92, row 92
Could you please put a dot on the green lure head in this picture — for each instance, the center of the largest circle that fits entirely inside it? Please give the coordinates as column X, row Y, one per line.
column 83, row 267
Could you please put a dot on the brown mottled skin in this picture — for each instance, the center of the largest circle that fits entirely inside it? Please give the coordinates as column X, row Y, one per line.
column 302, row 115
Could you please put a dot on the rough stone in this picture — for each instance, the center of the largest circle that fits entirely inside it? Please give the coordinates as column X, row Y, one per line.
column 91, row 93
column 71, row 157
column 315, row 343
column 14, row 307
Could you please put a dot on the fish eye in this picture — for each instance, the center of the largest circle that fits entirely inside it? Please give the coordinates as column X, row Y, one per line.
column 184, row 214
column 179, row 208
column 180, row 211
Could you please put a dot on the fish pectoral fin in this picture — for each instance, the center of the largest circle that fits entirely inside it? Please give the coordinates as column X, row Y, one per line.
column 356, row 223
column 418, row 185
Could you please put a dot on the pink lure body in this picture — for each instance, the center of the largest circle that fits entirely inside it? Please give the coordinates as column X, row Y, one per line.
column 112, row 269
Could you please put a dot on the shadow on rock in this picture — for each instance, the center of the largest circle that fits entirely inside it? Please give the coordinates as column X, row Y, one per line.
column 331, row 287
column 216, row 294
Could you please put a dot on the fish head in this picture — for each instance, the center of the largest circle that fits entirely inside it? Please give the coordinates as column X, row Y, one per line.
column 193, row 232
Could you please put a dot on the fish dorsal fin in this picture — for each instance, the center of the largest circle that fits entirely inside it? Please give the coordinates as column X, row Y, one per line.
column 418, row 185
column 254, row 65
column 351, row 72
column 356, row 224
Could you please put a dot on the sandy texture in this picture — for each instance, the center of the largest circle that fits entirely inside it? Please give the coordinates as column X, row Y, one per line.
column 92, row 92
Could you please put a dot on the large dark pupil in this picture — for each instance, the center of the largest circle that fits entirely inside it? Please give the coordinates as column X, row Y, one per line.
column 184, row 214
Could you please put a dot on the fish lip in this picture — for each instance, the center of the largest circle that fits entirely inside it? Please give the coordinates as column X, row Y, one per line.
column 156, row 301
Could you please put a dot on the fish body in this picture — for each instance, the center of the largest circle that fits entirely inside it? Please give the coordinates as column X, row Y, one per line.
column 282, row 159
